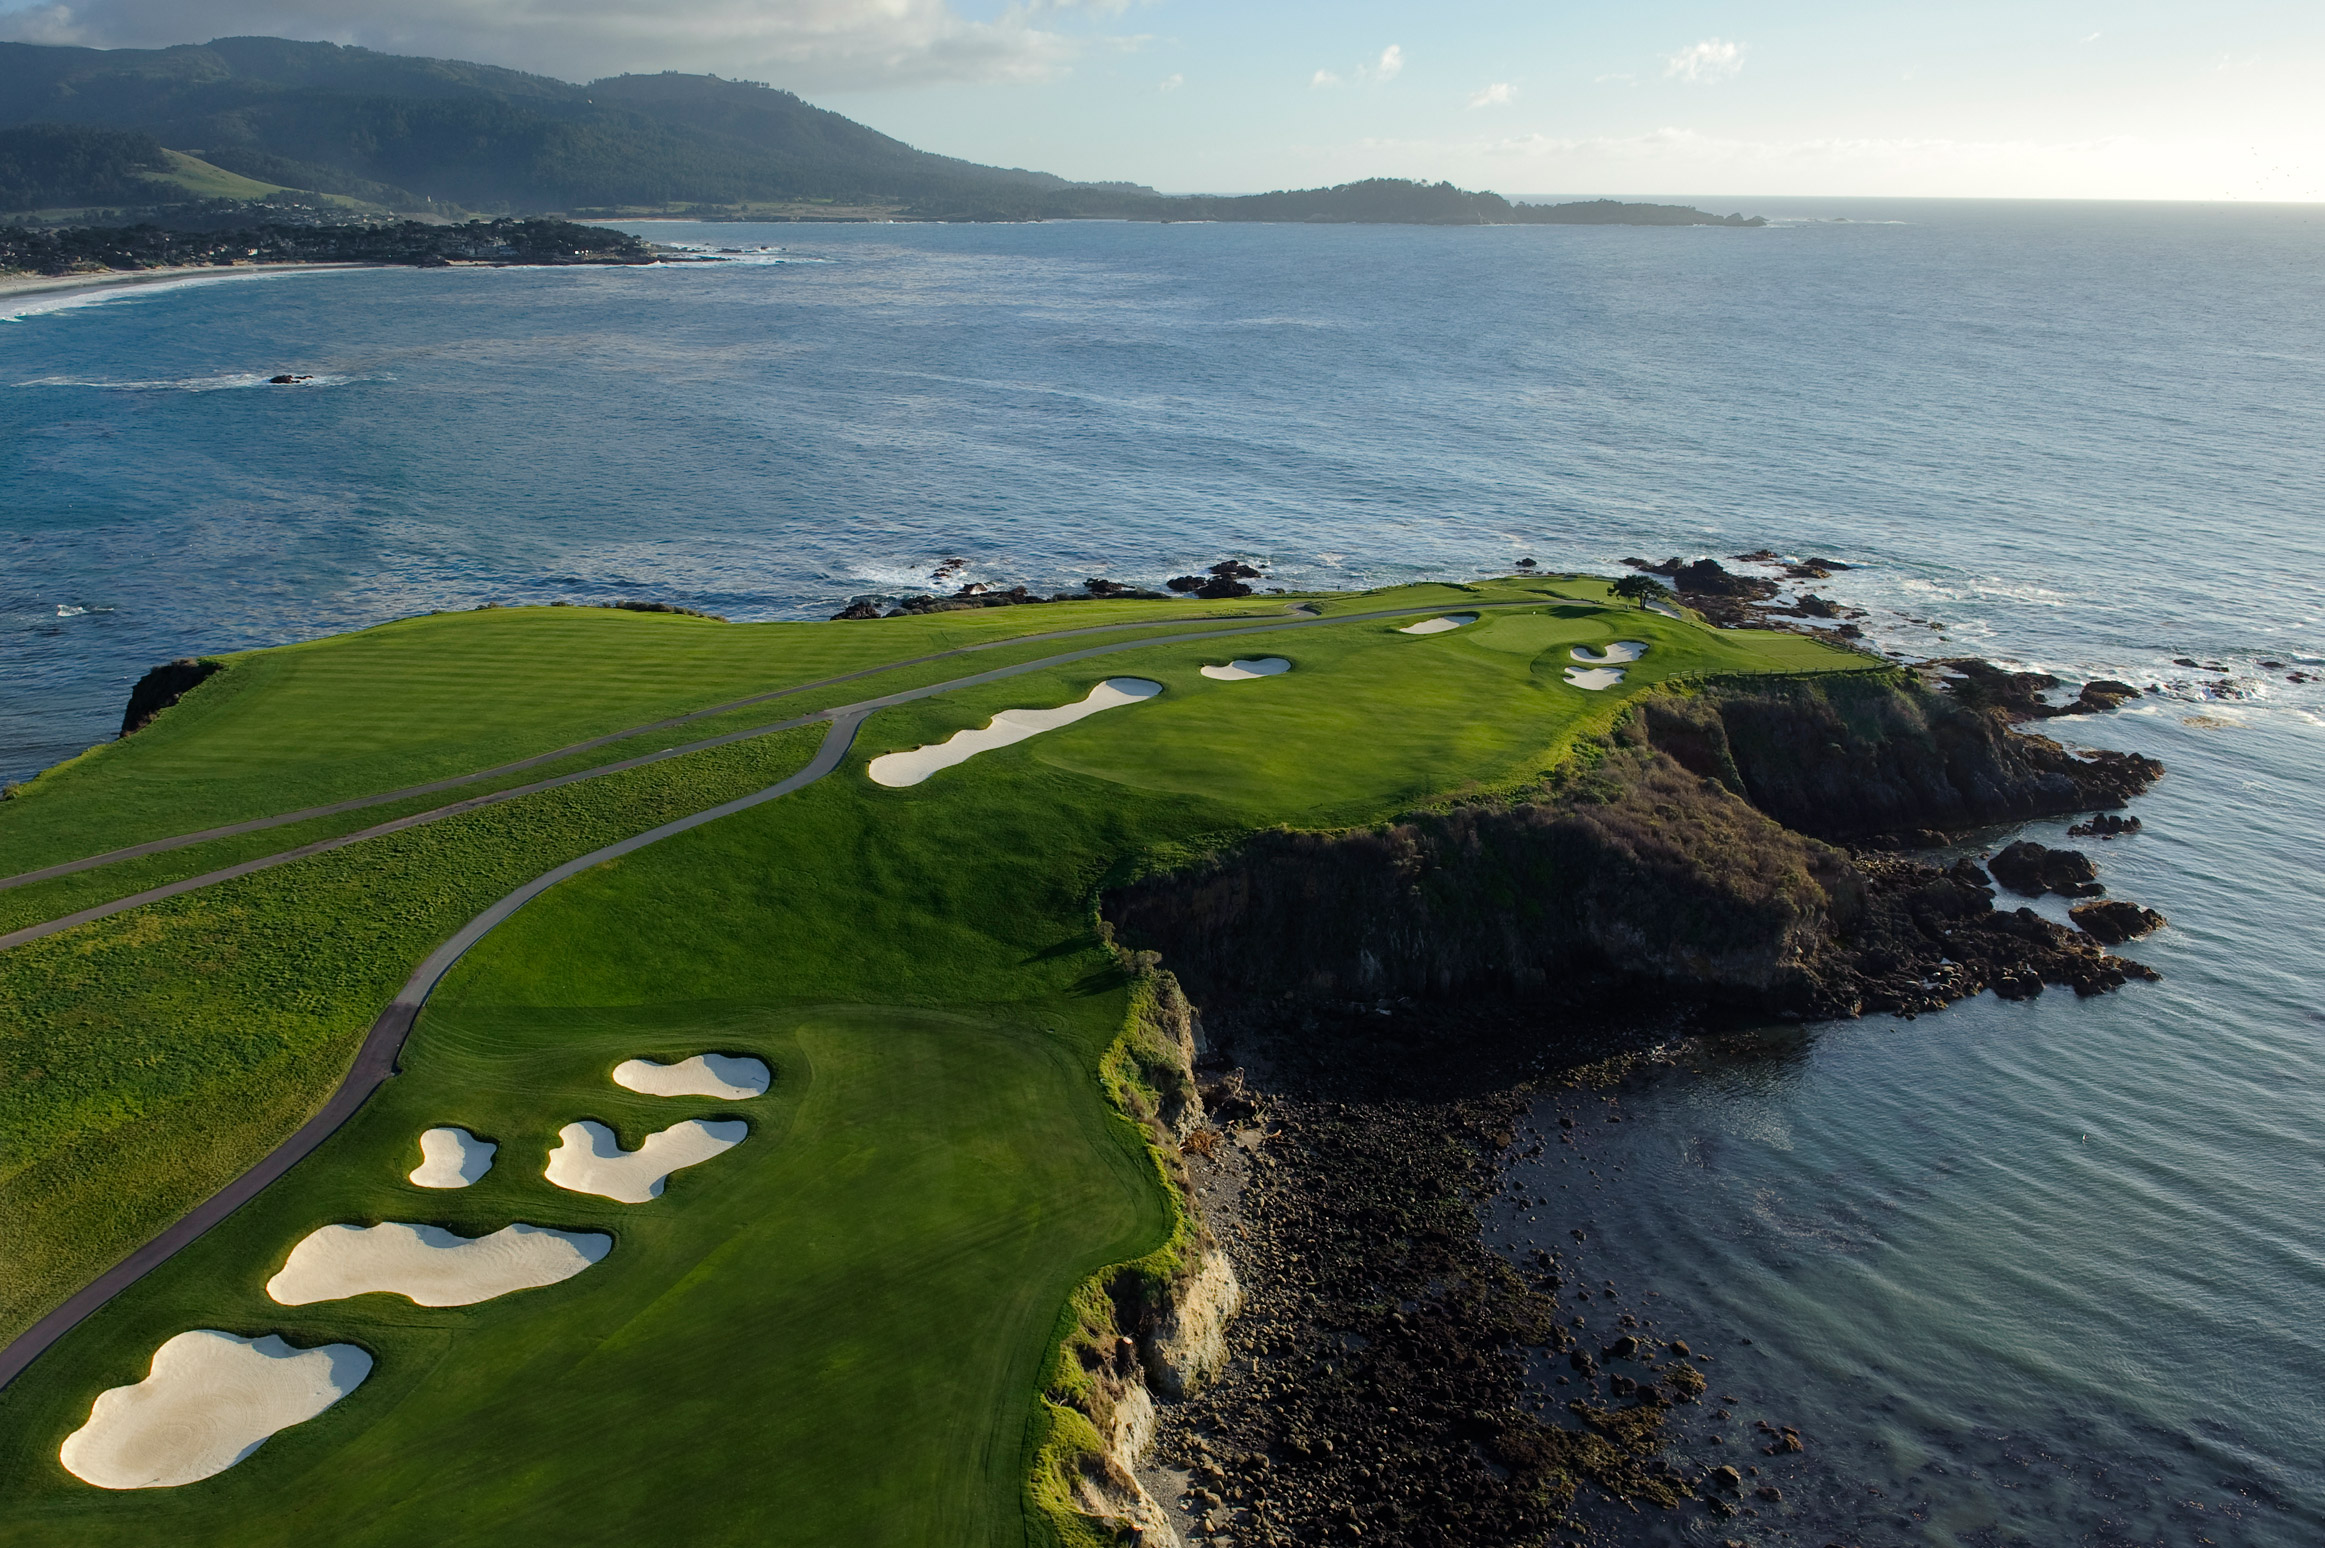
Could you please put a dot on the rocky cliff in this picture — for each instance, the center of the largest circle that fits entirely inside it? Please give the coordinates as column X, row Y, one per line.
column 1688, row 854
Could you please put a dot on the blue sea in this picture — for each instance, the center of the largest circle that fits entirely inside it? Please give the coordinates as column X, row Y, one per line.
column 2039, row 1273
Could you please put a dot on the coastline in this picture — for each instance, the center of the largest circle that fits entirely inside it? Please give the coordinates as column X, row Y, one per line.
column 65, row 286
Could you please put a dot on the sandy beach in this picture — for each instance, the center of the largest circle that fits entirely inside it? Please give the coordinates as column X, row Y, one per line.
column 66, row 285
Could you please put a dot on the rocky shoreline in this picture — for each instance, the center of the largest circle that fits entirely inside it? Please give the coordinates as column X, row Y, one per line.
column 1378, row 1042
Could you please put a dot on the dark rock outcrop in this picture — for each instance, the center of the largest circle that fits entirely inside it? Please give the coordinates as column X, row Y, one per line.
column 1845, row 759
column 2114, row 922
column 862, row 607
column 2030, row 870
column 1643, row 873
column 162, row 687
column 2105, row 825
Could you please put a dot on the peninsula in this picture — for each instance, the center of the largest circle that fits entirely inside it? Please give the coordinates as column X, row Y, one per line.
column 628, row 1074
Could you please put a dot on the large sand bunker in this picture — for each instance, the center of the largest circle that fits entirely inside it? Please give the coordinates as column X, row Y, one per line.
column 898, row 769
column 430, row 1265
column 1620, row 651
column 1594, row 678
column 1439, row 625
column 729, row 1077
column 590, row 1159
column 209, row 1401
column 1240, row 671
column 452, row 1158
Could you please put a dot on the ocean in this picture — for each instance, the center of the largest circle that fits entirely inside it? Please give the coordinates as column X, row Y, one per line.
column 2047, row 1272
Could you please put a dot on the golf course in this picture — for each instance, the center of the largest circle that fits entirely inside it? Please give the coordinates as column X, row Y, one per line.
column 835, row 1319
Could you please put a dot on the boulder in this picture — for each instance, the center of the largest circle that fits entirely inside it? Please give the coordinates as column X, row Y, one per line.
column 862, row 607
column 2030, row 870
column 2113, row 922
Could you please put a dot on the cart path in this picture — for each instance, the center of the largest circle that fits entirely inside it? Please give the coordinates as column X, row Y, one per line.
column 96, row 911
column 375, row 1059
column 375, row 1062
column 359, row 803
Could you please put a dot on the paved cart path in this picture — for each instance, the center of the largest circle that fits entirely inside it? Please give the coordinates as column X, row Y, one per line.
column 375, row 1060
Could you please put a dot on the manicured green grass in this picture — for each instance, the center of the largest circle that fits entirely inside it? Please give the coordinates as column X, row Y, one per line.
column 830, row 1334
column 919, row 945
column 149, row 1058
column 431, row 697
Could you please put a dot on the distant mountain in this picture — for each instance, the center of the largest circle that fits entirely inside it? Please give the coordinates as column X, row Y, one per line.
column 444, row 136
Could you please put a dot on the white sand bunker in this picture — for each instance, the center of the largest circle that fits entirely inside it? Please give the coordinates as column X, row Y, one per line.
column 1439, row 625
column 210, row 1400
column 729, row 1077
column 898, row 769
column 1594, row 678
column 452, row 1158
column 1619, row 651
column 1240, row 671
column 429, row 1264
column 590, row 1159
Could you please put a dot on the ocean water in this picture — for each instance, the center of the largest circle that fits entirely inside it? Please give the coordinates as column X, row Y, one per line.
column 2045, row 1273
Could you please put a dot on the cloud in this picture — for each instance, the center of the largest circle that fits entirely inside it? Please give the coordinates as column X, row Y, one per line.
column 1390, row 64
column 1172, row 83
column 1499, row 94
column 819, row 44
column 1713, row 59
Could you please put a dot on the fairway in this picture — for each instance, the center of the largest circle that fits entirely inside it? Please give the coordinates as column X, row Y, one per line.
column 802, row 1342
column 833, row 1331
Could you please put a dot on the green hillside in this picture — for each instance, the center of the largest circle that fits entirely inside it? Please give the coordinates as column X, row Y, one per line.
column 837, row 1331
column 418, row 135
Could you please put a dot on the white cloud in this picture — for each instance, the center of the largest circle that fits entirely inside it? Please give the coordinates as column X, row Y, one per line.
column 1386, row 68
column 1172, row 83
column 2092, row 38
column 1499, row 94
column 1714, row 59
column 818, row 44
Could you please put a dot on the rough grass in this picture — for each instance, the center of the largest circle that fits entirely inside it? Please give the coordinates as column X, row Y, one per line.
column 852, row 1348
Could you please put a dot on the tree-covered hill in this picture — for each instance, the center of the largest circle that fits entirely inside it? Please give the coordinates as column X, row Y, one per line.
column 435, row 135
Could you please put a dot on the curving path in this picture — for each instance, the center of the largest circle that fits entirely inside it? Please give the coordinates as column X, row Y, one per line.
column 360, row 803
column 375, row 1060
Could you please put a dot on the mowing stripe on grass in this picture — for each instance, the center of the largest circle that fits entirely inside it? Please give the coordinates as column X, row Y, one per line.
column 375, row 1062
column 106, row 910
column 358, row 803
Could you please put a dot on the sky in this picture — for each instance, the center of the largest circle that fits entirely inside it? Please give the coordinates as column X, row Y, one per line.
column 2035, row 99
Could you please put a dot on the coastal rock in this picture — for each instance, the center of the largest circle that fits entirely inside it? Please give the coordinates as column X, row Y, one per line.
column 2105, row 825
column 163, row 686
column 1813, row 606
column 2030, row 870
column 1849, row 758
column 862, row 607
column 1184, row 583
column 1651, row 872
column 2114, row 922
